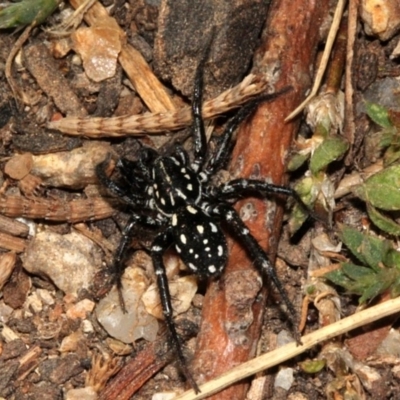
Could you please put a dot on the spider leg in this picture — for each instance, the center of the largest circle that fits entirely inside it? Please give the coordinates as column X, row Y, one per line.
column 180, row 155
column 159, row 246
column 237, row 187
column 229, row 215
column 146, row 158
column 118, row 266
column 198, row 131
column 224, row 148
column 127, row 196
column 130, row 169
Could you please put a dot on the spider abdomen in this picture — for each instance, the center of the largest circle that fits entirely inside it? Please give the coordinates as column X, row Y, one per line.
column 199, row 241
column 174, row 185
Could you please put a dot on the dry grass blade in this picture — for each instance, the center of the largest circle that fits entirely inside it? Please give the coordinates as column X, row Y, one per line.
column 325, row 58
column 56, row 209
column 284, row 353
column 160, row 122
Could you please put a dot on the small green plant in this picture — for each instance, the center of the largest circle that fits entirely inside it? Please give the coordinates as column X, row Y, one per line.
column 388, row 137
column 380, row 269
column 324, row 147
column 25, row 12
column 381, row 191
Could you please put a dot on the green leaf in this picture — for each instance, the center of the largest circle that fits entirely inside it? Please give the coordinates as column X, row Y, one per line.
column 377, row 287
column 392, row 154
column 355, row 279
column 395, row 288
column 357, row 273
column 368, row 249
column 297, row 161
column 305, row 189
column 378, row 114
column 25, row 12
column 329, row 150
column 312, row 366
column 297, row 218
column 382, row 222
column 392, row 259
column 382, row 189
column 364, row 281
column 310, row 290
column 381, row 269
column 386, row 137
column 338, row 277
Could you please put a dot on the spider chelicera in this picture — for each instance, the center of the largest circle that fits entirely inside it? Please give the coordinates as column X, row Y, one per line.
column 174, row 196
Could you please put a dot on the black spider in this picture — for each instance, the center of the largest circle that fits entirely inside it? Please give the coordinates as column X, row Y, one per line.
column 174, row 196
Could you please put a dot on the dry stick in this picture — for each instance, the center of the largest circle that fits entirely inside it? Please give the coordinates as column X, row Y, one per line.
column 18, row 93
column 7, row 265
column 28, row 362
column 350, row 128
column 325, row 58
column 94, row 208
column 337, row 64
column 137, row 372
column 144, row 365
column 72, row 22
column 12, row 243
column 261, row 149
column 356, row 178
column 149, row 88
column 44, row 69
column 153, row 123
column 13, row 227
column 291, row 350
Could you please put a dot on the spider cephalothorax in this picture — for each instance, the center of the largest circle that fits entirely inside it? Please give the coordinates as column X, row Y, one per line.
column 174, row 196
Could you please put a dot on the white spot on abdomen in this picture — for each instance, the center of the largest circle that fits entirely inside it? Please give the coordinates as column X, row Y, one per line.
column 191, row 209
column 212, row 269
column 192, row 267
column 213, row 227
